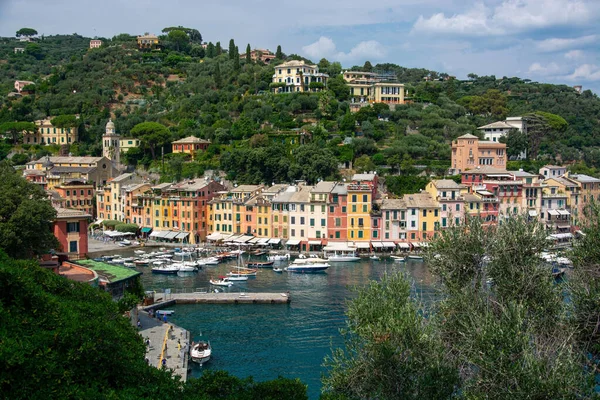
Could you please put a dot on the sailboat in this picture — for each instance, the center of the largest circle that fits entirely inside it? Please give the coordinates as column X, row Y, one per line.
column 241, row 273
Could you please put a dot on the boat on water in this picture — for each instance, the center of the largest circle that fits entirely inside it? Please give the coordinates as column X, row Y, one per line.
column 142, row 263
column 165, row 312
column 238, row 278
column 139, row 252
column 415, row 257
column 165, row 269
column 374, row 258
column 129, row 264
column 398, row 258
column 124, row 243
column 200, row 352
column 259, row 264
column 342, row 256
column 308, row 265
column 279, row 270
column 222, row 281
column 181, row 267
column 258, row 253
column 279, row 257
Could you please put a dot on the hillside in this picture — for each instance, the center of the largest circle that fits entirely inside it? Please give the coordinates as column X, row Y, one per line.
column 213, row 95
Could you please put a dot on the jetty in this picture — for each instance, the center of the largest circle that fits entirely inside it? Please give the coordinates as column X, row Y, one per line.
column 162, row 300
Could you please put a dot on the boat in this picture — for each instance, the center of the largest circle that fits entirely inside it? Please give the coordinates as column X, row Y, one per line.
column 129, row 265
column 308, row 265
column 165, row 269
column 277, row 270
column 142, row 263
column 415, row 257
column 139, row 252
column 398, row 258
column 181, row 267
column 243, row 272
column 124, row 243
column 343, row 256
column 237, row 278
column 165, row 312
column 222, row 281
column 258, row 253
column 279, row 257
column 200, row 352
column 374, row 258
column 259, row 264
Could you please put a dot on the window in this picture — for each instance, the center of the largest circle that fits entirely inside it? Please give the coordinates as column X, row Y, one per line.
column 353, row 207
column 435, row 212
column 444, row 222
column 323, row 222
column 360, row 234
column 424, row 213
column 343, row 209
column 331, row 209
column 338, row 222
column 458, row 207
column 312, row 222
column 337, row 234
column 413, row 211
column 73, row 246
column 424, row 226
column 301, row 220
column 72, row 227
column 375, row 234
column 360, row 222
column 354, row 198
column 365, row 197
column 292, row 220
column 443, row 207
column 365, row 207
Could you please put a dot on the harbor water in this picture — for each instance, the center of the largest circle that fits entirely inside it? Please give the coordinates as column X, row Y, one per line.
column 270, row 340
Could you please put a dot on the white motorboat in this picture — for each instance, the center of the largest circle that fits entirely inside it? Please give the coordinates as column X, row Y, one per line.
column 139, row 252
column 181, row 267
column 222, row 281
column 374, row 258
column 142, row 263
column 279, row 270
column 200, row 352
column 398, row 258
column 237, row 278
column 308, row 265
column 129, row 265
column 124, row 243
column 342, row 256
column 279, row 257
column 165, row 312
column 415, row 257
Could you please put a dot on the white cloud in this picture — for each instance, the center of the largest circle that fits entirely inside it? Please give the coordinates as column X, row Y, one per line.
column 586, row 72
column 574, row 54
column 558, row 44
column 511, row 16
column 326, row 48
column 544, row 70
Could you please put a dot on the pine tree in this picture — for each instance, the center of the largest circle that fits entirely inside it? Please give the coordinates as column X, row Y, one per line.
column 210, row 50
column 218, row 48
column 231, row 49
column 248, row 51
column 279, row 53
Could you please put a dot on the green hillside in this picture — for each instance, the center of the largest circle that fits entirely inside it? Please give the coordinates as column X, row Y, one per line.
column 213, row 94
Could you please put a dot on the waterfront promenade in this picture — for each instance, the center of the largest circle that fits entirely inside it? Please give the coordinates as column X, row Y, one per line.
column 168, row 342
column 165, row 300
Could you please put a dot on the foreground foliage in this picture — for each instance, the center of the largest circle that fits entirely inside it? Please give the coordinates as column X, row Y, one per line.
column 499, row 327
column 61, row 339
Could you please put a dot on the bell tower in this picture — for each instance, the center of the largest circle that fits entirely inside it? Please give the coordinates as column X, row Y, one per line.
column 110, row 143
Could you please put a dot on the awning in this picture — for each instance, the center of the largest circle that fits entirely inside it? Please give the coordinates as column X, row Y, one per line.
column 315, row 242
column 275, row 241
column 232, row 238
column 182, row 235
column 292, row 242
column 338, row 246
column 404, row 245
column 254, row 240
column 424, row 244
column 146, row 230
column 485, row 192
column 553, row 212
column 377, row 245
column 158, row 234
column 263, row 241
column 243, row 239
column 214, row 236
column 389, row 244
column 564, row 212
column 533, row 213
column 363, row 245
column 170, row 235
column 416, row 244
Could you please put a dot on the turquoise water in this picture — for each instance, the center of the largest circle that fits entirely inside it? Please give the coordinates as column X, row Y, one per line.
column 269, row 340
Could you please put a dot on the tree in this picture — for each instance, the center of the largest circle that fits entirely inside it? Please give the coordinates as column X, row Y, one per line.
column 368, row 67
column 131, row 228
column 16, row 129
column 543, row 126
column 178, row 38
column 27, row 32
column 65, row 121
column 26, row 216
column 153, row 135
column 218, row 79
column 210, row 50
column 364, row 164
column 248, row 55
column 231, row 49
column 236, row 59
column 279, row 54
column 338, row 86
column 516, row 143
column 35, row 50
column 218, row 49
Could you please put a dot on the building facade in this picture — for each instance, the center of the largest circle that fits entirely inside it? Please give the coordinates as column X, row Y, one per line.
column 468, row 152
column 298, row 76
column 189, row 145
column 46, row 133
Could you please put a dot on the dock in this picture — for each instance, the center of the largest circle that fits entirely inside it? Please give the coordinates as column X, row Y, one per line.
column 168, row 344
column 166, row 299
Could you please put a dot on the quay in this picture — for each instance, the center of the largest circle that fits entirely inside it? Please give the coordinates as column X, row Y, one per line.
column 162, row 300
column 167, row 342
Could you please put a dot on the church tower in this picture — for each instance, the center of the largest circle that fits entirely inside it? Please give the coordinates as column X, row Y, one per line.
column 110, row 143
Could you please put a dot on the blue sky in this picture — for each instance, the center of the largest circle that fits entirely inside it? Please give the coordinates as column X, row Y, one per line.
column 553, row 41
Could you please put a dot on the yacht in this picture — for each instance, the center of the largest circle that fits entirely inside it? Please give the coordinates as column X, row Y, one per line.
column 308, row 265
column 342, row 256
column 200, row 352
column 165, row 269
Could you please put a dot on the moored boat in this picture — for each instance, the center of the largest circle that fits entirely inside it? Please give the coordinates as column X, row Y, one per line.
column 279, row 257
column 308, row 265
column 279, row 270
column 398, row 258
column 259, row 264
column 200, row 352
column 341, row 256
column 415, row 257
column 222, row 281
column 165, row 269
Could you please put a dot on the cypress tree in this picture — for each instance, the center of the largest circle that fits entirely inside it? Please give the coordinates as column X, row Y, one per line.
column 231, row 49
column 218, row 76
column 236, row 60
column 279, row 53
column 218, row 49
column 210, row 50
column 248, row 51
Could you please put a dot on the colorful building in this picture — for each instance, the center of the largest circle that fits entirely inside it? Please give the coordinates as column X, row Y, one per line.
column 360, row 197
column 189, row 145
column 46, row 133
column 147, row 41
column 449, row 195
column 370, row 87
column 77, row 195
column 298, row 76
column 70, row 229
column 468, row 152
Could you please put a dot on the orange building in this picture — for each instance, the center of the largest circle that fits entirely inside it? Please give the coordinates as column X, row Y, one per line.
column 190, row 145
column 70, row 229
column 78, row 195
column 469, row 152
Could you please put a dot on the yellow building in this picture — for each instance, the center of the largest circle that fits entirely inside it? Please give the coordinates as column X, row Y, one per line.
column 147, row 41
column 49, row 134
column 423, row 218
column 298, row 76
column 228, row 209
column 128, row 143
column 369, row 88
column 189, row 145
column 359, row 212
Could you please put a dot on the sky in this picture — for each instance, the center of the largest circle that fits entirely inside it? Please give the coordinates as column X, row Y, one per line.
column 555, row 41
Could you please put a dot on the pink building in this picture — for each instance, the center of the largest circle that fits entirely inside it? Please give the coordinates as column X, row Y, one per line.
column 70, row 228
column 95, row 43
column 19, row 85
